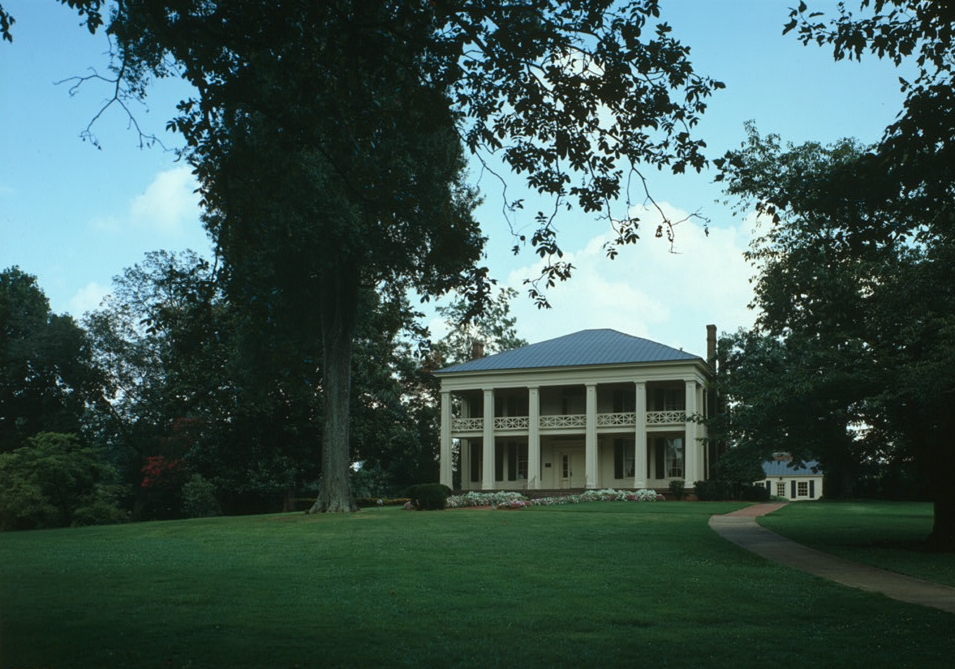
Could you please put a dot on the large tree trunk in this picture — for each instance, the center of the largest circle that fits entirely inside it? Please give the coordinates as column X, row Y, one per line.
column 942, row 458
column 339, row 306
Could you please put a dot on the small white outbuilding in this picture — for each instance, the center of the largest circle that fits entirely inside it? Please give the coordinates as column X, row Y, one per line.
column 792, row 481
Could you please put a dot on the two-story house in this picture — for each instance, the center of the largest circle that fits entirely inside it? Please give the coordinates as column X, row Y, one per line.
column 593, row 409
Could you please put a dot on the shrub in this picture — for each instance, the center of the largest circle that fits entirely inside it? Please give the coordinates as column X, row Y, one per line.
column 676, row 488
column 754, row 493
column 713, row 490
column 199, row 498
column 429, row 496
column 366, row 502
column 56, row 482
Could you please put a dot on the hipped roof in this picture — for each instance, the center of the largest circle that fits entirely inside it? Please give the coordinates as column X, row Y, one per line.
column 587, row 347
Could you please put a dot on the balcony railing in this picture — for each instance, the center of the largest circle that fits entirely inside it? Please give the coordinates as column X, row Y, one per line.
column 572, row 420
column 511, row 423
column 666, row 417
column 467, row 424
column 616, row 419
column 604, row 420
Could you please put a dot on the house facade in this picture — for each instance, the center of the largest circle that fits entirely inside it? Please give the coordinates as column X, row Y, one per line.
column 593, row 409
column 795, row 483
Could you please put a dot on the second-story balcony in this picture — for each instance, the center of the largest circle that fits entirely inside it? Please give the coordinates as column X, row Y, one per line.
column 563, row 422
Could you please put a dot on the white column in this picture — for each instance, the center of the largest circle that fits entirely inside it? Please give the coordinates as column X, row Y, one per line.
column 446, row 476
column 691, row 446
column 487, row 471
column 464, row 462
column 590, row 456
column 640, row 437
column 702, row 468
column 533, row 439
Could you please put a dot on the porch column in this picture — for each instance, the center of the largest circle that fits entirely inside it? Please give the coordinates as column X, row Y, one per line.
column 487, row 471
column 464, row 462
column 533, row 439
column 691, row 447
column 590, row 455
column 446, row 475
column 640, row 437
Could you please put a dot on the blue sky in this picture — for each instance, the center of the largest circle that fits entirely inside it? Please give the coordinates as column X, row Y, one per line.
column 75, row 215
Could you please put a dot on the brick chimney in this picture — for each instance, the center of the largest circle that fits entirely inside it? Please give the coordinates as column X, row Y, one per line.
column 711, row 345
column 477, row 349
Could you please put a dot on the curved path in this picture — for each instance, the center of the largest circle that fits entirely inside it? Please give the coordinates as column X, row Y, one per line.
column 741, row 528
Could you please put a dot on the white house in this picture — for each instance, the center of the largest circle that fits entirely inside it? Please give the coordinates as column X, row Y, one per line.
column 593, row 409
column 795, row 483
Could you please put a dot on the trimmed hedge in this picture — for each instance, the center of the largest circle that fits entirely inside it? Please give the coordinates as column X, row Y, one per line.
column 429, row 496
column 715, row 490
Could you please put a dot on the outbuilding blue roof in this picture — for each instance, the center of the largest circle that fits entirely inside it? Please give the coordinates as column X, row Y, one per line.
column 588, row 347
column 782, row 468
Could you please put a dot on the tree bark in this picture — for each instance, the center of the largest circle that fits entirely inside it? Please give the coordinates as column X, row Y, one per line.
column 942, row 538
column 338, row 304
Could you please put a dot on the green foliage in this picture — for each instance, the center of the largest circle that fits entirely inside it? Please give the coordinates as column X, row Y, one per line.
column 55, row 481
column 199, row 498
column 429, row 496
column 47, row 375
column 329, row 141
column 494, row 329
column 917, row 151
column 713, row 490
column 852, row 353
column 676, row 488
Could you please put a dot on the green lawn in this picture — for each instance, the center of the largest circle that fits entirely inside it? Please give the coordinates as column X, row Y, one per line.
column 885, row 534
column 611, row 584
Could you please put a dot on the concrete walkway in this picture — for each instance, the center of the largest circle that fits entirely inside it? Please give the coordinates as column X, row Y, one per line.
column 741, row 528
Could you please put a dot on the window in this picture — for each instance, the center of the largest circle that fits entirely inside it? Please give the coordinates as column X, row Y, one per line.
column 624, row 401
column 522, row 464
column 573, row 401
column 668, row 456
column 669, row 399
column 780, row 489
column 623, row 450
column 510, row 405
column 803, row 489
column 475, row 452
column 512, row 458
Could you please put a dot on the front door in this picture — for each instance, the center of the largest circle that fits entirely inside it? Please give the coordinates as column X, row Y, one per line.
column 571, row 469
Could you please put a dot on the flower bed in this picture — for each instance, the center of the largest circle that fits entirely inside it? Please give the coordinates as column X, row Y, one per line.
column 515, row 500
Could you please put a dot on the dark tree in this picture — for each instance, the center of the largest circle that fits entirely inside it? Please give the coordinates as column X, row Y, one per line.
column 47, row 376
column 917, row 151
column 328, row 140
column 494, row 330
column 849, row 359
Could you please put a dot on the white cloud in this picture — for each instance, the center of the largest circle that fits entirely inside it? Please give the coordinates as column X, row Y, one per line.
column 169, row 203
column 87, row 298
column 169, row 207
column 648, row 291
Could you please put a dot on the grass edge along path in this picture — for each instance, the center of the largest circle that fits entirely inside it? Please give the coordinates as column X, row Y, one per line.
column 885, row 534
column 615, row 584
column 741, row 528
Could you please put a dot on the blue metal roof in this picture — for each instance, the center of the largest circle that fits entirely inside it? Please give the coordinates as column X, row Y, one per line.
column 588, row 347
column 782, row 468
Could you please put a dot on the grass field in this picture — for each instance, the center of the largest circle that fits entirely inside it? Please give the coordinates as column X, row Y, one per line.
column 613, row 584
column 885, row 534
